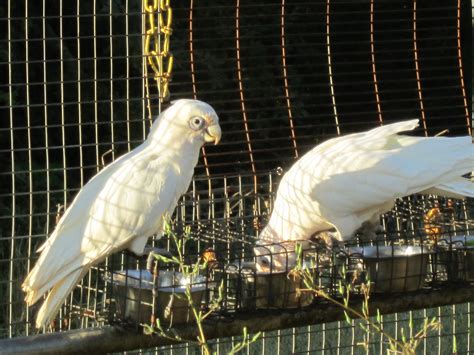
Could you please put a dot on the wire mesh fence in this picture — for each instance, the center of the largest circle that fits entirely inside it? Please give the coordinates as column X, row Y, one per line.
column 282, row 76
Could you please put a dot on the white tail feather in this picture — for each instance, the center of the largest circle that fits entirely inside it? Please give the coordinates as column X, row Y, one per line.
column 56, row 297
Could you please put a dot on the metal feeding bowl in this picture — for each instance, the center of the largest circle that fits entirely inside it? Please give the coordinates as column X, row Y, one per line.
column 266, row 290
column 393, row 268
column 133, row 292
column 456, row 254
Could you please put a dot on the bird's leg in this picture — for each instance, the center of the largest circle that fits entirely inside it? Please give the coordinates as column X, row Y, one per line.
column 327, row 238
column 326, row 242
column 368, row 230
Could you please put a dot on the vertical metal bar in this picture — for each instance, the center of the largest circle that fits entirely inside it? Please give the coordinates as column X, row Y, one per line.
column 30, row 159
column 96, row 123
column 191, row 48
column 331, row 82
column 241, row 91
column 460, row 65
column 323, row 343
column 372, row 57
column 469, row 321
column 453, row 321
column 193, row 80
column 194, row 88
column 381, row 339
column 96, row 110
column 425, row 316
column 293, row 340
column 63, row 129
column 339, row 326
column 308, row 342
column 63, row 122
column 469, row 328
column 127, row 71
column 127, row 91
column 79, row 93
column 417, row 72
column 12, row 155
column 285, row 78
column 278, row 341
column 425, row 313
column 160, row 58
column 440, row 319
column 353, row 342
column 367, row 350
column 412, row 211
column 45, row 110
column 111, row 82
column 112, row 143
column 145, row 90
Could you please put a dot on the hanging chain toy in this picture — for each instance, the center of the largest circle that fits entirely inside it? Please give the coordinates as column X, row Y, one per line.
column 157, row 44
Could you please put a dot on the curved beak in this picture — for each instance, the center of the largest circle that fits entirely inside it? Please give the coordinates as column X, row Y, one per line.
column 213, row 133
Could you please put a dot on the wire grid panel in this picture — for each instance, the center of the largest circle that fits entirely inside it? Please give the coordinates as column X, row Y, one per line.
column 65, row 112
column 282, row 76
column 343, row 338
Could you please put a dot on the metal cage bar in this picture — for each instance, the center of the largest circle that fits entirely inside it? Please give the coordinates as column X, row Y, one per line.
column 282, row 76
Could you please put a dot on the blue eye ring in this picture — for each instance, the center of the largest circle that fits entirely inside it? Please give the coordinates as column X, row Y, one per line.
column 196, row 123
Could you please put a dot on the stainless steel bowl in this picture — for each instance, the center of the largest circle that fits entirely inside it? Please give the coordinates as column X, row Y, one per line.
column 394, row 268
column 264, row 290
column 456, row 255
column 133, row 292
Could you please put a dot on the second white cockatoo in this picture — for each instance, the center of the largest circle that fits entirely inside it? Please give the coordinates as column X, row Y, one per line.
column 123, row 205
column 351, row 180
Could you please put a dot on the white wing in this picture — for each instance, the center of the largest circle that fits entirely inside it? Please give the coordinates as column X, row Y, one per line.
column 366, row 172
column 125, row 200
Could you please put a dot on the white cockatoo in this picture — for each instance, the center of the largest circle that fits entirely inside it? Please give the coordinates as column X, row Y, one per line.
column 123, row 204
column 349, row 181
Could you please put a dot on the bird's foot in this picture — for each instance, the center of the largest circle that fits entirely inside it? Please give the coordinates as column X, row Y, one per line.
column 326, row 239
column 326, row 242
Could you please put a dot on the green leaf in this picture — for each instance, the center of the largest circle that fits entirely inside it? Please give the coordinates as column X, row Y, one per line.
column 196, row 268
column 165, row 259
column 256, row 336
column 187, row 231
column 147, row 329
column 363, row 327
column 348, row 319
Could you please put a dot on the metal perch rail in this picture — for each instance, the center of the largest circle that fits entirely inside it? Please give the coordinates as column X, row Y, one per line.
column 118, row 338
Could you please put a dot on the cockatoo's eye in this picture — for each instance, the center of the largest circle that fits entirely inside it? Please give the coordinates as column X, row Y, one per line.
column 196, row 123
column 264, row 261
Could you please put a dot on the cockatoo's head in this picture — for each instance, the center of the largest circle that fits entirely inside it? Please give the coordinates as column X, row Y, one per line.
column 187, row 120
column 273, row 253
column 274, row 257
